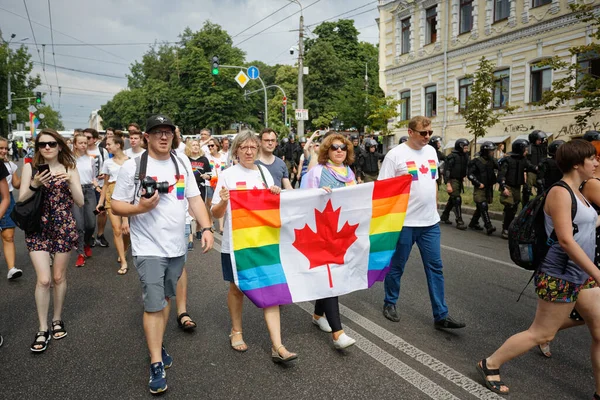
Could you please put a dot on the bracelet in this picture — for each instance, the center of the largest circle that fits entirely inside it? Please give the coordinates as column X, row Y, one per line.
column 33, row 189
column 207, row 229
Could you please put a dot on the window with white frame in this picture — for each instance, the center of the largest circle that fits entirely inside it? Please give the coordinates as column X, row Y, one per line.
column 466, row 16
column 465, row 86
column 501, row 88
column 538, row 3
column 501, row 9
column 431, row 25
column 405, row 44
column 540, row 81
column 431, row 101
column 405, row 105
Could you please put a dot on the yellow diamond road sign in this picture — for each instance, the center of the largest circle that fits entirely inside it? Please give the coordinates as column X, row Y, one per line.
column 242, row 79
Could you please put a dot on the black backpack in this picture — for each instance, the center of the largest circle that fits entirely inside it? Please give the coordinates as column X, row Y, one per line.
column 528, row 242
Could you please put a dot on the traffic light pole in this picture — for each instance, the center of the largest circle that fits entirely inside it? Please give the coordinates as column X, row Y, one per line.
column 264, row 90
column 284, row 95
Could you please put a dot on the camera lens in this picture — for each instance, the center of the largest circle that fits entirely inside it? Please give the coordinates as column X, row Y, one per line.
column 162, row 187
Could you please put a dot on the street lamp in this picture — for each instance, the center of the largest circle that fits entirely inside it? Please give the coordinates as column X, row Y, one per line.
column 300, row 67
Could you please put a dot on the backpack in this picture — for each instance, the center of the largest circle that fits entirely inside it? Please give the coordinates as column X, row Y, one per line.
column 528, row 242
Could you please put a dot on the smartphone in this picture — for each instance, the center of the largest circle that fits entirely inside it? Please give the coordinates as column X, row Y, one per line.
column 43, row 167
column 99, row 210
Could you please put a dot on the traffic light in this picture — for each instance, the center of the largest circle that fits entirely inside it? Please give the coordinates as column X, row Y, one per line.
column 261, row 117
column 38, row 97
column 283, row 113
column 215, row 65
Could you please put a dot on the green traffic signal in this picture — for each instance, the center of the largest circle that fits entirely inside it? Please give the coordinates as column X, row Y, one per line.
column 38, row 97
column 215, row 71
column 215, row 65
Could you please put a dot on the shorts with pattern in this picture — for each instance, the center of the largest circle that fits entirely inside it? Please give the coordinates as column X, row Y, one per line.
column 549, row 288
column 589, row 284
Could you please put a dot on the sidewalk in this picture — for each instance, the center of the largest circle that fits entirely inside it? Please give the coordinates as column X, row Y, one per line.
column 494, row 215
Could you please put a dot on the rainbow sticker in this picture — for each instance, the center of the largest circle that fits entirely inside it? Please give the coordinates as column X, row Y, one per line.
column 433, row 168
column 412, row 170
column 180, row 187
column 240, row 186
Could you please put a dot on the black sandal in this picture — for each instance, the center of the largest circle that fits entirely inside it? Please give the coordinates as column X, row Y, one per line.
column 41, row 339
column 188, row 325
column 58, row 327
column 494, row 386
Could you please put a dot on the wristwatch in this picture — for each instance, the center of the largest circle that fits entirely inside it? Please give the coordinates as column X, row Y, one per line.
column 207, row 229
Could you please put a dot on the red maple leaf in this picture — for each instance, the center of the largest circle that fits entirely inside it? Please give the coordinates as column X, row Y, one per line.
column 325, row 246
column 423, row 169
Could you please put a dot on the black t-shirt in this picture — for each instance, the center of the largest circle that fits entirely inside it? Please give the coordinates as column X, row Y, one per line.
column 3, row 171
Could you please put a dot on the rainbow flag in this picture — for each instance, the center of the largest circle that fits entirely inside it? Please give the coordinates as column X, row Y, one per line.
column 33, row 124
column 306, row 244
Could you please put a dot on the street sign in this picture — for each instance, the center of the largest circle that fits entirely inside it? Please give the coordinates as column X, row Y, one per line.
column 32, row 109
column 242, row 79
column 301, row 115
column 253, row 72
column 284, row 101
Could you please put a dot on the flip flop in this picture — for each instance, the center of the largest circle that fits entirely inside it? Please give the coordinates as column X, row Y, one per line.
column 122, row 270
column 545, row 350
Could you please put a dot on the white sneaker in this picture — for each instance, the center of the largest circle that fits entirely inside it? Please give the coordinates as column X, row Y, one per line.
column 343, row 342
column 14, row 273
column 322, row 324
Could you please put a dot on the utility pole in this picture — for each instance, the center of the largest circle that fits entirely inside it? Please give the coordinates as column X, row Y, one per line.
column 301, row 74
column 9, row 93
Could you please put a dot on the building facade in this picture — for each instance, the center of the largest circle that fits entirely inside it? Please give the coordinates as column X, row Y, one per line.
column 427, row 47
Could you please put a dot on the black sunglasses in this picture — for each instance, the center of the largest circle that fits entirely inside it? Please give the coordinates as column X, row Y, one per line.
column 341, row 147
column 424, row 133
column 210, row 145
column 42, row 145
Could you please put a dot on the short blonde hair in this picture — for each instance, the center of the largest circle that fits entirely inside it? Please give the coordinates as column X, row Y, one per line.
column 188, row 148
column 241, row 138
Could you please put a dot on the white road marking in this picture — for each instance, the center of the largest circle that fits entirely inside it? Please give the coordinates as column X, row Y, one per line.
column 472, row 387
column 405, row 372
column 468, row 253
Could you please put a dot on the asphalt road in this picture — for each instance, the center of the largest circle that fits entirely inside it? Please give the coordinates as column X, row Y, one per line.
column 105, row 356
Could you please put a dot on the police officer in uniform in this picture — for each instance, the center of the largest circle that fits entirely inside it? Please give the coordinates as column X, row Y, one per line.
column 591, row 136
column 358, row 156
column 511, row 177
column 436, row 143
column 403, row 139
column 548, row 171
column 454, row 175
column 290, row 153
column 482, row 173
column 538, row 151
column 369, row 162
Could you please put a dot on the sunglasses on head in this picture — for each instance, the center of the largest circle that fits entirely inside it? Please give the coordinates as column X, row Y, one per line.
column 423, row 133
column 341, row 147
column 42, row 145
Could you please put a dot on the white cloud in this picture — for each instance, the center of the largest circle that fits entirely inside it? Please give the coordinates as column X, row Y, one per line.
column 129, row 21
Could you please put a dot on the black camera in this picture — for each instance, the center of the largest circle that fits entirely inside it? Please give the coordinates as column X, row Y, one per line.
column 151, row 186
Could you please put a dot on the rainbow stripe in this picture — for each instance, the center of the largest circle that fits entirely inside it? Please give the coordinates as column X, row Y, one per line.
column 180, row 187
column 413, row 170
column 433, row 168
column 389, row 203
column 255, row 227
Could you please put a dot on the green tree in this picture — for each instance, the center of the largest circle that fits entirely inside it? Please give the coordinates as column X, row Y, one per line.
column 382, row 110
column 52, row 118
column 477, row 111
column 578, row 83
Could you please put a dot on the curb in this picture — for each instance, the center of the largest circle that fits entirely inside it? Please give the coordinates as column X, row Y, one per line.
column 494, row 215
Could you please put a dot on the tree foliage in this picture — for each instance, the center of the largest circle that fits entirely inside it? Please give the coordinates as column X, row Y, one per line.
column 52, row 118
column 478, row 112
column 382, row 111
column 578, row 83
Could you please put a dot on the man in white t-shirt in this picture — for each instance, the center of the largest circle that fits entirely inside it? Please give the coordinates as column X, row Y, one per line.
column 421, row 224
column 99, row 154
column 135, row 140
column 157, row 226
column 205, row 136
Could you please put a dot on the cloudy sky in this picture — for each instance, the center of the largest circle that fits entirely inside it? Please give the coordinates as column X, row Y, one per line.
column 87, row 26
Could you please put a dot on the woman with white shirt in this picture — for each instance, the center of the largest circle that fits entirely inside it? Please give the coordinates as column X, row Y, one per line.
column 218, row 162
column 6, row 223
column 120, row 225
column 84, row 215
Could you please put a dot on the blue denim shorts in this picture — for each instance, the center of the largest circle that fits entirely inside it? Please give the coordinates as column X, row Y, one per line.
column 6, row 222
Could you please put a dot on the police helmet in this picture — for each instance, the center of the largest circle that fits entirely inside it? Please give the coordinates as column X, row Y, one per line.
column 403, row 139
column 552, row 147
column 519, row 146
column 285, row 140
column 590, row 136
column 487, row 146
column 537, row 135
column 434, row 140
column 354, row 137
column 370, row 143
column 291, row 136
column 302, row 139
column 460, row 144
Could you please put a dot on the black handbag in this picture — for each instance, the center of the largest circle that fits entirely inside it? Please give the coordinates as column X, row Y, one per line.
column 27, row 214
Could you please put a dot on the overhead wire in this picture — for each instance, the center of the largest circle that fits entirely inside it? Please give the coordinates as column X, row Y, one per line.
column 92, row 59
column 53, row 54
column 258, row 22
column 347, row 12
column 84, row 72
column 37, row 48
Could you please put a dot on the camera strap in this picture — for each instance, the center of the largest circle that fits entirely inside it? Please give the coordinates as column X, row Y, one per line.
column 141, row 163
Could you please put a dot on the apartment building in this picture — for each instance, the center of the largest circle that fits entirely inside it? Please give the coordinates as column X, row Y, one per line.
column 427, row 47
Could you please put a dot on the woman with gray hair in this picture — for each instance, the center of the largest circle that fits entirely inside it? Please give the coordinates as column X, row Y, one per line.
column 245, row 175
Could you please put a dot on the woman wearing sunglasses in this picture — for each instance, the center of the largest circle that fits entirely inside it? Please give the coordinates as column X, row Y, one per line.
column 59, row 180
column 218, row 162
column 332, row 171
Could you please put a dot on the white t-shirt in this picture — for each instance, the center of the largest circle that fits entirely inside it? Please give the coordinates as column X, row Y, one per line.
column 111, row 168
column 95, row 154
column 423, row 166
column 85, row 166
column 159, row 232
column 12, row 168
column 129, row 153
column 233, row 178
column 217, row 164
column 180, row 149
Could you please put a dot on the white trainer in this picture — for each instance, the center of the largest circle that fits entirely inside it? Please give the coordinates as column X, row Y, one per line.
column 14, row 273
column 343, row 342
column 322, row 324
